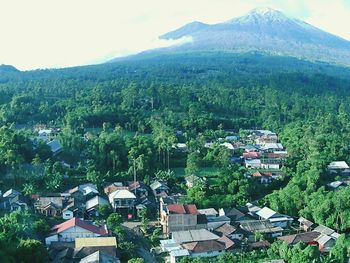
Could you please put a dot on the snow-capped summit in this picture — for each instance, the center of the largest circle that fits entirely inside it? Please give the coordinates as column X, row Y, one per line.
column 261, row 15
column 266, row 30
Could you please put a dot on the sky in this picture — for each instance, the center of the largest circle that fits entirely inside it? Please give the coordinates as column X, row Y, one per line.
column 61, row 33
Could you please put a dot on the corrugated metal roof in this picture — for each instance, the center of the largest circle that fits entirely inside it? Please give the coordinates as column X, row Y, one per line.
column 96, row 242
column 121, row 194
column 266, row 213
column 193, row 236
column 97, row 200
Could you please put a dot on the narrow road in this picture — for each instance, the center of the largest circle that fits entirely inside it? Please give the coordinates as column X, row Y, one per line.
column 139, row 241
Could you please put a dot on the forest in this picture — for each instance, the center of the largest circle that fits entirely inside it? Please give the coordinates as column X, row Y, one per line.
column 134, row 110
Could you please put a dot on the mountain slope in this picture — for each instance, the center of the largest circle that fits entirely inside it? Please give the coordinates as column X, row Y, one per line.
column 265, row 30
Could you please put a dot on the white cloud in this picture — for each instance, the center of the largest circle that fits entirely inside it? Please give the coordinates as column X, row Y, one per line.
column 58, row 33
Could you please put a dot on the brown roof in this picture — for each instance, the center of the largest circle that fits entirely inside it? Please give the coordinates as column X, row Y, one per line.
column 303, row 237
column 136, row 185
column 204, row 246
column 258, row 174
column 305, row 222
column 225, row 229
column 113, row 187
column 228, row 242
column 182, row 209
column 260, row 244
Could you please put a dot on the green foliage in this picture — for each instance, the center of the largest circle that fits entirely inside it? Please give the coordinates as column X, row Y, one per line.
column 193, row 163
column 104, row 211
column 32, row 251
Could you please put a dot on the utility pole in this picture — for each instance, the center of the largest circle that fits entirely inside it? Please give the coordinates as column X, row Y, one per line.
column 134, row 175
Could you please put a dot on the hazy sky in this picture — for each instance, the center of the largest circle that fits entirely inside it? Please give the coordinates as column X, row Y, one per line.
column 59, row 33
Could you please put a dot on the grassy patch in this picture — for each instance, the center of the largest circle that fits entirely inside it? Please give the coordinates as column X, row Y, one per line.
column 205, row 171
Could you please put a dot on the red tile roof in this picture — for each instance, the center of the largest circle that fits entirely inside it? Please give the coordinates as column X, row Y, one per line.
column 80, row 223
column 251, row 155
column 183, row 209
column 308, row 237
column 258, row 174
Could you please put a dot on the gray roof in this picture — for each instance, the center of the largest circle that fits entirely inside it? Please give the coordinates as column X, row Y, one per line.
column 324, row 230
column 55, row 146
column 266, row 213
column 263, row 226
column 179, row 253
column 157, row 185
column 208, row 212
column 193, row 236
column 99, row 257
column 338, row 165
column 95, row 201
column 219, row 219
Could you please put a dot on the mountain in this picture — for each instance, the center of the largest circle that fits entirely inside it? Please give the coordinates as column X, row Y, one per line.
column 8, row 69
column 263, row 30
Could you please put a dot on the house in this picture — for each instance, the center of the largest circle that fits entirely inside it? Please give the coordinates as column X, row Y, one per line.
column 82, row 249
column 251, row 148
column 84, row 191
column 305, row 224
column 251, row 155
column 13, row 200
column 93, row 204
column 214, row 222
column 263, row 177
column 322, row 236
column 50, row 204
column 252, row 163
column 74, row 228
column 73, row 208
column 45, row 132
column 99, row 257
column 326, row 231
column 193, row 180
column 122, row 199
column 114, row 187
column 208, row 212
column 159, row 188
column 251, row 227
column 139, row 189
column 275, row 218
column 277, row 155
column 337, row 167
column 233, row 213
column 269, row 163
column 229, row 231
column 227, row 145
column 325, row 242
column 195, row 243
column 259, row 245
column 336, row 185
column 95, row 242
column 178, row 217
column 55, row 146
column 307, row 238
column 181, row 147
column 272, row 147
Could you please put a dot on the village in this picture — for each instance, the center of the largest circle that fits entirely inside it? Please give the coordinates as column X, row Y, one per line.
column 80, row 217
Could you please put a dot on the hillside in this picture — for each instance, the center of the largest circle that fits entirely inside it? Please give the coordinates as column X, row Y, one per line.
column 263, row 30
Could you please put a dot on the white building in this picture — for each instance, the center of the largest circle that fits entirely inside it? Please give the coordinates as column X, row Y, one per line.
column 74, row 228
